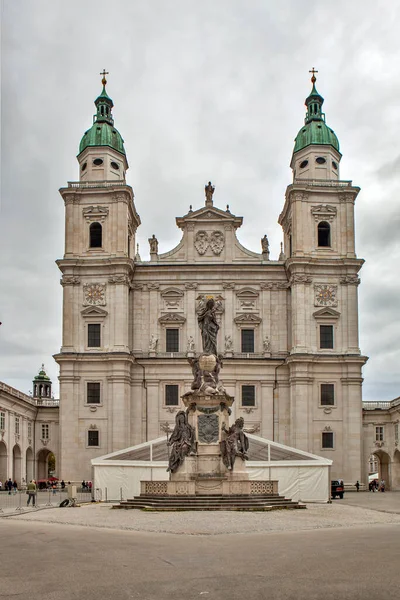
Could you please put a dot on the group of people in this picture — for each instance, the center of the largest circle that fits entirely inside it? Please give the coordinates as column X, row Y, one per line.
column 9, row 486
column 376, row 486
column 86, row 486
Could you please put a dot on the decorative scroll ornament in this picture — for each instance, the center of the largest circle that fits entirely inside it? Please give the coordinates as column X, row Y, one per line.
column 350, row 280
column 324, row 212
column 124, row 279
column 191, row 285
column 325, row 295
column 94, row 294
column 70, row 280
column 300, row 278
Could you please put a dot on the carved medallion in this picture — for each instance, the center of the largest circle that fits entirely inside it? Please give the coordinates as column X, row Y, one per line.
column 201, row 242
column 217, row 242
column 208, row 428
column 325, row 295
column 94, row 294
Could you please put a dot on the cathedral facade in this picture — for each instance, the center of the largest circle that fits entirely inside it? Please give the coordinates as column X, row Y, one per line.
column 288, row 328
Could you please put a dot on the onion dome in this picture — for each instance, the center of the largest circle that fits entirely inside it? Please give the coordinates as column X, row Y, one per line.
column 315, row 130
column 103, row 132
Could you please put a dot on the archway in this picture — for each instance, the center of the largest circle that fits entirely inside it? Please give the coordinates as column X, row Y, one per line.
column 17, row 464
column 396, row 471
column 383, row 467
column 43, row 463
column 29, row 465
column 3, row 462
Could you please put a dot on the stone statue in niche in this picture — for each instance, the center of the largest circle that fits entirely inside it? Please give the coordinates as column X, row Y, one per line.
column 153, row 241
column 266, row 344
column 190, row 344
column 182, row 442
column 235, row 444
column 209, row 327
column 228, row 343
column 153, row 343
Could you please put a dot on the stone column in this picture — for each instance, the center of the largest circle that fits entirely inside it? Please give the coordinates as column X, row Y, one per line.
column 119, row 407
column 190, row 312
column 228, row 288
column 153, row 404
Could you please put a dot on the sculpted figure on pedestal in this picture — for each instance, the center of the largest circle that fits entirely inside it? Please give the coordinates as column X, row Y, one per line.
column 182, row 442
column 153, row 343
column 209, row 327
column 235, row 444
column 153, row 241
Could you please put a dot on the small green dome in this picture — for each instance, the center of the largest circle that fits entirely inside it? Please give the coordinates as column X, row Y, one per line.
column 315, row 130
column 41, row 375
column 103, row 132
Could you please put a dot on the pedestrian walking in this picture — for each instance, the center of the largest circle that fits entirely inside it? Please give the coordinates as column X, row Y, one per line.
column 357, row 485
column 9, row 486
column 382, row 486
column 1, row 486
column 15, row 486
column 31, row 491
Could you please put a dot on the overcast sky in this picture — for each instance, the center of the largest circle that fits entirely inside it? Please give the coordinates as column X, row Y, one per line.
column 202, row 90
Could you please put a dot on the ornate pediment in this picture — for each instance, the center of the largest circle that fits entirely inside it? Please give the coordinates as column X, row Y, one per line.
column 210, row 214
column 326, row 313
column 247, row 318
column 172, row 293
column 324, row 212
column 247, row 293
column 172, row 318
column 95, row 213
column 94, row 311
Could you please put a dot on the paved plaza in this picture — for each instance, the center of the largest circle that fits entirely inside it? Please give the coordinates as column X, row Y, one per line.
column 348, row 549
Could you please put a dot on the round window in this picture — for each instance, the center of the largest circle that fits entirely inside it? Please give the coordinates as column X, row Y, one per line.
column 320, row 160
column 98, row 162
column 83, row 168
column 334, row 165
column 303, row 164
column 114, row 165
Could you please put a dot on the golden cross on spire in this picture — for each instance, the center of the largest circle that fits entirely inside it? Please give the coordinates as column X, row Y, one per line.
column 104, row 73
column 313, row 78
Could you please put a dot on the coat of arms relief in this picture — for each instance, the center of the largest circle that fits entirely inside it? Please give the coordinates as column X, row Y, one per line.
column 214, row 240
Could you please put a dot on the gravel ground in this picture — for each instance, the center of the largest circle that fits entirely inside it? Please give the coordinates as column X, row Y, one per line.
column 317, row 516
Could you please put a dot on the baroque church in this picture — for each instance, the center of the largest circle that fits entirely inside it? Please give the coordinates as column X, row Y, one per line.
column 288, row 332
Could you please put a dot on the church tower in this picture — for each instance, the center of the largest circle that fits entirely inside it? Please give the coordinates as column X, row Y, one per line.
column 97, row 270
column 322, row 267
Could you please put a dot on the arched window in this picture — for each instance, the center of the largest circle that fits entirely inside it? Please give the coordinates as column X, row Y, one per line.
column 95, row 235
column 324, row 234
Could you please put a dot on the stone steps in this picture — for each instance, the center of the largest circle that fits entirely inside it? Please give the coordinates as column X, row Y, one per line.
column 212, row 502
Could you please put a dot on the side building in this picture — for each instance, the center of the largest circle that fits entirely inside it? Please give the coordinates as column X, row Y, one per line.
column 288, row 326
column 29, row 431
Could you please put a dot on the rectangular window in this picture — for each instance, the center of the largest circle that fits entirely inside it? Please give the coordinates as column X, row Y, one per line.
column 45, row 431
column 327, row 439
column 172, row 340
column 326, row 336
column 93, row 437
column 247, row 340
column 171, row 395
column 17, row 425
column 327, row 394
column 93, row 393
column 94, row 335
column 29, row 429
column 248, row 395
column 379, row 434
column 2, row 421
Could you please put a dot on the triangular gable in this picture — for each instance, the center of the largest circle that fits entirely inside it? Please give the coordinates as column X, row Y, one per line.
column 94, row 311
column 326, row 313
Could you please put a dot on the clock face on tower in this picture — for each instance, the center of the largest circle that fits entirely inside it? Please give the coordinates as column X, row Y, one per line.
column 325, row 295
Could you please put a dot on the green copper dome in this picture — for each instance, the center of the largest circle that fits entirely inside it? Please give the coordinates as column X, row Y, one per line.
column 315, row 130
column 42, row 375
column 103, row 132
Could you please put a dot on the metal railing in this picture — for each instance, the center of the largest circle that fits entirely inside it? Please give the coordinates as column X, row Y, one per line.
column 17, row 502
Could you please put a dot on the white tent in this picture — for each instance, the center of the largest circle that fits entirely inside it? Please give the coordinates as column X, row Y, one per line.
column 302, row 476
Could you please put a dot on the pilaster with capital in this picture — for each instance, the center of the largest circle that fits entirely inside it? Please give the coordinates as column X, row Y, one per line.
column 118, row 289
column 190, row 242
column 267, row 409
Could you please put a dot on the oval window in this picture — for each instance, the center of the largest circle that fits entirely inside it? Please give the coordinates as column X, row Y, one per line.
column 83, row 168
column 98, row 162
column 334, row 165
column 303, row 164
column 320, row 160
column 114, row 165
